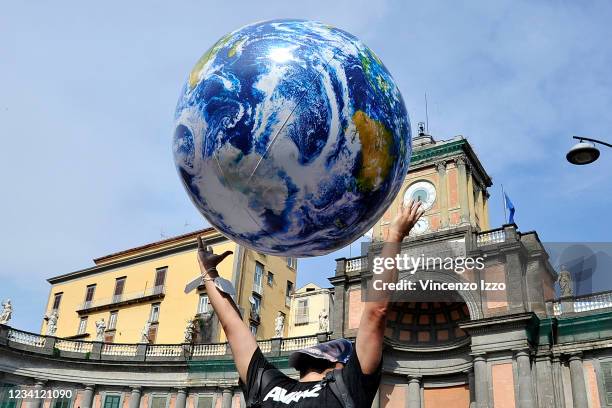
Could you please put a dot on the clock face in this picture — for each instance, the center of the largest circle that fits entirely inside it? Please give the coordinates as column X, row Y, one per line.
column 422, row 191
column 421, row 226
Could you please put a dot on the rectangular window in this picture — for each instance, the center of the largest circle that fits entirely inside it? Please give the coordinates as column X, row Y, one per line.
column 255, row 308
column 5, row 397
column 291, row 262
column 253, row 329
column 159, row 401
column 205, row 401
column 119, row 286
column 302, row 313
column 89, row 293
column 160, row 277
column 270, row 278
column 203, row 304
column 112, row 320
column 154, row 316
column 606, row 369
column 288, row 293
column 82, row 325
column 111, row 401
column 56, row 300
column 257, row 279
column 62, row 403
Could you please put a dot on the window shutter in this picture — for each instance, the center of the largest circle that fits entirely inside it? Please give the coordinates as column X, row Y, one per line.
column 607, row 379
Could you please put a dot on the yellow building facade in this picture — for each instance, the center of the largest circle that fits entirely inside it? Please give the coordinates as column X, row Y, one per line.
column 139, row 293
column 310, row 310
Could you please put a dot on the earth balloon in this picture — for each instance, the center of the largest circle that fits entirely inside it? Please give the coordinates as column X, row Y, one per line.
column 291, row 137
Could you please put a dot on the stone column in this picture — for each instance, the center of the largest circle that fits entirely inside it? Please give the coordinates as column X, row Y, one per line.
column 88, row 396
column 414, row 391
column 135, row 397
column 544, row 380
column 442, row 199
column 525, row 385
column 485, row 209
column 181, row 398
column 470, row 193
column 226, row 401
column 579, row 394
column 478, row 205
column 557, row 381
column 481, row 382
column 238, row 393
column 463, row 194
column 36, row 402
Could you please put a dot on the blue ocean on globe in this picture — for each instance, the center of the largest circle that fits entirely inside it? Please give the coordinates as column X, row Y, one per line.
column 291, row 137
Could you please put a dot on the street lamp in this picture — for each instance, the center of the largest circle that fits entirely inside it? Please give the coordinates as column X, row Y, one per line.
column 584, row 152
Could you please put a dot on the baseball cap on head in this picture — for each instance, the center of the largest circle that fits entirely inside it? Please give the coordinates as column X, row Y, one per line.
column 335, row 351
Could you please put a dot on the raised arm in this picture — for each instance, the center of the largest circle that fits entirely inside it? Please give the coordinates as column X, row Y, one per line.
column 240, row 338
column 369, row 341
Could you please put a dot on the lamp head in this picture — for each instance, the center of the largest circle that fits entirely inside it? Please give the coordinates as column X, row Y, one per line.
column 582, row 153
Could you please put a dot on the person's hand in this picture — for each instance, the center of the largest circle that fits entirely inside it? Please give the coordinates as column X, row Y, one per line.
column 208, row 260
column 407, row 215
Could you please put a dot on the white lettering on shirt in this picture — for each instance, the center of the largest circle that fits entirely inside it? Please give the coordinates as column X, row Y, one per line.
column 279, row 394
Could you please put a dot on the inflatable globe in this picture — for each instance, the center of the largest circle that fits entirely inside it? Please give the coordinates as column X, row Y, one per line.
column 291, row 137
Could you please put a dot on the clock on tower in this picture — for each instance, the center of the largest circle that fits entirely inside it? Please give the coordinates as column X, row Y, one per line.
column 448, row 178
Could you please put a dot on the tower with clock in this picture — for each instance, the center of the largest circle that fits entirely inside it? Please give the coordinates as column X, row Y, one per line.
column 450, row 181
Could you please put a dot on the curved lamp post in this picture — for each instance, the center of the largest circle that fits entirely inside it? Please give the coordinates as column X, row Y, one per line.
column 584, row 152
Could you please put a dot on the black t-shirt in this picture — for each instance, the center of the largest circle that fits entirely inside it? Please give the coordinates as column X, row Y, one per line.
column 287, row 392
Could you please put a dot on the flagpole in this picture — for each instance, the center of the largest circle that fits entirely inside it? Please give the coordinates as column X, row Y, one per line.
column 504, row 202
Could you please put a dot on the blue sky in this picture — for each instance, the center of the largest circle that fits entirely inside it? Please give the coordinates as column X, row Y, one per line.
column 88, row 91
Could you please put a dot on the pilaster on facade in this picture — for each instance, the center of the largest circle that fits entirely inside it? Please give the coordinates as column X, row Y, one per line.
column 578, row 383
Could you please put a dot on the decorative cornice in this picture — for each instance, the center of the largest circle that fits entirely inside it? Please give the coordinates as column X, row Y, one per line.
column 133, row 260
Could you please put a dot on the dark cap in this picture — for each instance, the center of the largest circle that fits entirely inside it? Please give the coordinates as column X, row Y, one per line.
column 335, row 351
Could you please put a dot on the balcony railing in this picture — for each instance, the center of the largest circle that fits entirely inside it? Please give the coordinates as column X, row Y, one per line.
column 579, row 304
column 28, row 339
column 93, row 350
column 205, row 350
column 257, row 288
column 356, row 264
column 74, row 346
column 164, row 350
column 297, row 343
column 491, row 237
column 153, row 292
column 126, row 350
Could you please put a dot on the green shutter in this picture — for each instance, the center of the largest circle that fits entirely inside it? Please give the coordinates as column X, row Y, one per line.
column 5, row 401
column 158, row 401
column 205, row 401
column 62, row 403
column 606, row 368
column 112, row 401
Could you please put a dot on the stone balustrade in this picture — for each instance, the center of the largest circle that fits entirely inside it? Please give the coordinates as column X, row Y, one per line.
column 491, row 237
column 100, row 351
column 579, row 304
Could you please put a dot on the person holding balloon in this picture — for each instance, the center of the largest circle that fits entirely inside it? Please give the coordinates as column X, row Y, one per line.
column 332, row 374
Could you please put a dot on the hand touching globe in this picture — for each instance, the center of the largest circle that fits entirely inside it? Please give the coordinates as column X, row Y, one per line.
column 291, row 137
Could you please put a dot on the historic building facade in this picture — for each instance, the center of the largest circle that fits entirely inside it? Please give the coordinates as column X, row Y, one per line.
column 310, row 310
column 137, row 295
column 519, row 346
